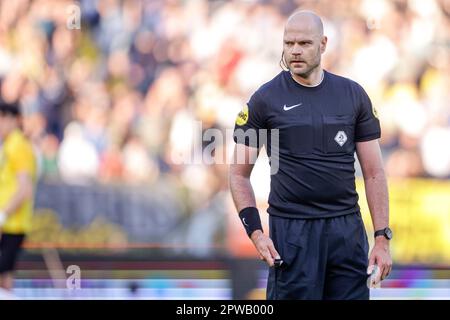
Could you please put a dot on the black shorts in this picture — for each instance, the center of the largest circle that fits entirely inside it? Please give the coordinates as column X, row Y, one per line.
column 323, row 258
column 10, row 246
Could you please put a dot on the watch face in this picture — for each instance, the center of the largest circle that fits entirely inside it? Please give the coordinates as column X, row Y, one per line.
column 388, row 233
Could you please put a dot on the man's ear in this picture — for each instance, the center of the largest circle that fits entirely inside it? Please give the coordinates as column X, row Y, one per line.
column 323, row 44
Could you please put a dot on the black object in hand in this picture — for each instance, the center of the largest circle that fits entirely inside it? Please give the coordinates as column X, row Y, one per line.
column 278, row 263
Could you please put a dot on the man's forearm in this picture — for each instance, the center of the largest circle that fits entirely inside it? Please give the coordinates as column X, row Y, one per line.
column 244, row 197
column 242, row 192
column 378, row 199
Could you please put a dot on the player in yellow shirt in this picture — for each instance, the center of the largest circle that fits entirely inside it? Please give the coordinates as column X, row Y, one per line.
column 17, row 177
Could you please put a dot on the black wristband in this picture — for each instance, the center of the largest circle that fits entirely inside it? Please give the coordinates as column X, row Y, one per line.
column 250, row 219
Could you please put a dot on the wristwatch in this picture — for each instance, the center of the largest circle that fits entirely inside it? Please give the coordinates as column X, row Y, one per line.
column 386, row 232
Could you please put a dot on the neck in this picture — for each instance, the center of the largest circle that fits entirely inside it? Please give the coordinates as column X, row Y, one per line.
column 8, row 131
column 313, row 79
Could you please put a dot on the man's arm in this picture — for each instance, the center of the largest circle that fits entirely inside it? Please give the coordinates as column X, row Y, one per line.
column 369, row 155
column 240, row 186
column 24, row 192
column 244, row 197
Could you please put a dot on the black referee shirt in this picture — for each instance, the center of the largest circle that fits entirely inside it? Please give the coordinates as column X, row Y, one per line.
column 318, row 127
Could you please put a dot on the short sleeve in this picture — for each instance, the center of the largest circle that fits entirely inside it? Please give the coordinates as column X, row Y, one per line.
column 250, row 121
column 20, row 154
column 367, row 122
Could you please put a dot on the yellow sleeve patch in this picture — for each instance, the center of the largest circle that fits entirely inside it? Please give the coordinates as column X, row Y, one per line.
column 242, row 116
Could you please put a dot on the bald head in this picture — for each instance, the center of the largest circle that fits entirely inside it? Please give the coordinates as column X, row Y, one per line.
column 303, row 44
column 305, row 21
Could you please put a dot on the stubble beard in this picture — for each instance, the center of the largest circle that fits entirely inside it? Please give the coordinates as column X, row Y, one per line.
column 310, row 68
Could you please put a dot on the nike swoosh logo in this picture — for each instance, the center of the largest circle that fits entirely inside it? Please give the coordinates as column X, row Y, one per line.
column 243, row 220
column 291, row 107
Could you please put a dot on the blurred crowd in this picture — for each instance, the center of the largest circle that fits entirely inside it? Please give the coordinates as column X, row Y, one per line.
column 115, row 101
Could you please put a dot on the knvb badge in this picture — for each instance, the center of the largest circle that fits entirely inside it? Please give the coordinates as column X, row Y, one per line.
column 340, row 138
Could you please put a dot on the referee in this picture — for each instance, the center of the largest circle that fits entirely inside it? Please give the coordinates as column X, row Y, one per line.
column 317, row 246
column 17, row 176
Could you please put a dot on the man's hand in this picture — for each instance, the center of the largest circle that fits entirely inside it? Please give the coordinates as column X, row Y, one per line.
column 265, row 247
column 380, row 256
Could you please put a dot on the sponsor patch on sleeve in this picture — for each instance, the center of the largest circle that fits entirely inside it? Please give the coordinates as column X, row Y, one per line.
column 242, row 116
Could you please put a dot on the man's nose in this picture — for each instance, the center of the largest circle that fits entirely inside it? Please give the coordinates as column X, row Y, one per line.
column 297, row 49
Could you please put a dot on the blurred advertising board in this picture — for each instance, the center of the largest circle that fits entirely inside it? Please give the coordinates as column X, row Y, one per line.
column 97, row 215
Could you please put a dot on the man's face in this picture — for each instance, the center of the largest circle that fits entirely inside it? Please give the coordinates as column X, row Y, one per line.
column 302, row 48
